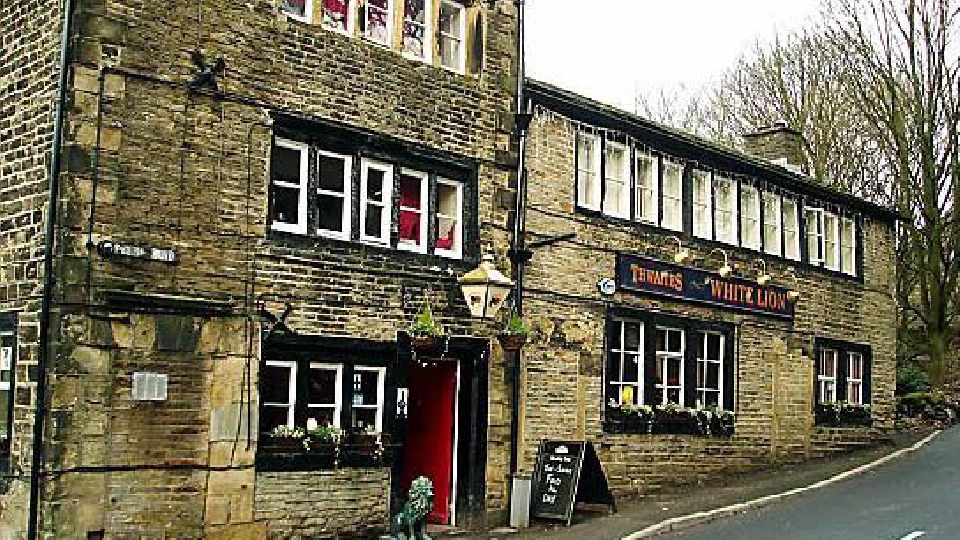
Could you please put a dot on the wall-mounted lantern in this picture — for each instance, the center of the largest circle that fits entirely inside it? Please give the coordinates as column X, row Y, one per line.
column 485, row 289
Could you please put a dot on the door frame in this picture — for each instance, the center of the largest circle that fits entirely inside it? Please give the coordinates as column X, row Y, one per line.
column 469, row 460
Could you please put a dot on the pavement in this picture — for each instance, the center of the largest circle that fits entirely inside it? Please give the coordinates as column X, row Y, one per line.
column 692, row 505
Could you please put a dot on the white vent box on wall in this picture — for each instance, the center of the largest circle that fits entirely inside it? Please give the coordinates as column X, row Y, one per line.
column 149, row 386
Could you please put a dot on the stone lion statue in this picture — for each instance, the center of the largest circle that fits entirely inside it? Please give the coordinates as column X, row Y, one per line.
column 411, row 522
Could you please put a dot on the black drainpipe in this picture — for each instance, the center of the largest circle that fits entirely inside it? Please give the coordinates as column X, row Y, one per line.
column 519, row 255
column 48, row 280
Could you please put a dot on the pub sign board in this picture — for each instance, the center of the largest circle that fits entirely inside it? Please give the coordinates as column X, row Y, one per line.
column 659, row 278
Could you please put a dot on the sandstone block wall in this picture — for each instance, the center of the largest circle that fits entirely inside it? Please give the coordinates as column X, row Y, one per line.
column 775, row 369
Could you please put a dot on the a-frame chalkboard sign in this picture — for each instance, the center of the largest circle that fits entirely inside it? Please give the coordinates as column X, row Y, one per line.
column 567, row 472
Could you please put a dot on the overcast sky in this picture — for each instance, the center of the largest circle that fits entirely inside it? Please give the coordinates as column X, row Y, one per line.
column 608, row 49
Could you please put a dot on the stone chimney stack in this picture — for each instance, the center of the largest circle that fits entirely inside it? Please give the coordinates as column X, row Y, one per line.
column 779, row 144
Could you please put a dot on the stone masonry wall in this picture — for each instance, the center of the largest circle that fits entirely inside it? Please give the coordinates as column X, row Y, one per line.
column 152, row 164
column 328, row 503
column 30, row 33
column 775, row 372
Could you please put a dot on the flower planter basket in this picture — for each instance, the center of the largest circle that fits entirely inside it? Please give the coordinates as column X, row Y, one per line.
column 825, row 415
column 426, row 343
column 512, row 342
column 282, row 445
column 855, row 416
column 678, row 423
column 718, row 426
column 363, row 450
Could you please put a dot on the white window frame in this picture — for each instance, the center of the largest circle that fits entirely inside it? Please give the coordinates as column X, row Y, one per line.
column 391, row 8
column 664, row 387
column 291, row 389
column 831, row 241
column 851, row 358
column 791, row 249
column 726, row 236
column 623, row 353
column 595, row 181
column 427, row 32
column 703, row 201
column 386, row 204
column 381, row 384
column 813, row 232
column 347, row 213
column 623, row 180
column 300, row 227
column 750, row 233
column 338, row 392
column 651, row 185
column 351, row 19
column 772, row 216
column 824, row 380
column 462, row 38
column 456, row 251
column 848, row 246
column 307, row 12
column 702, row 359
column 424, row 211
column 675, row 222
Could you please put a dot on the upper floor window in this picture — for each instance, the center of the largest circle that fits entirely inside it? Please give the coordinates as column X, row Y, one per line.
column 413, row 211
column 814, row 231
column 298, row 9
column 288, row 183
column 376, row 183
column 749, row 217
column 848, row 246
column 449, row 222
column 394, row 206
column 647, row 197
column 772, row 215
column 588, row 171
column 702, row 205
column 416, row 29
column 378, row 21
column 672, row 196
column 452, row 28
column 616, row 180
column 726, row 210
column 333, row 195
column 791, row 229
column 338, row 15
column 831, row 241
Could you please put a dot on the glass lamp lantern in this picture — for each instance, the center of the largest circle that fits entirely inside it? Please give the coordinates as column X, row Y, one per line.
column 485, row 289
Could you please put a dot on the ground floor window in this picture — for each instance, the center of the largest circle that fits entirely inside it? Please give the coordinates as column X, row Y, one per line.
column 842, row 385
column 8, row 351
column 666, row 369
column 321, row 407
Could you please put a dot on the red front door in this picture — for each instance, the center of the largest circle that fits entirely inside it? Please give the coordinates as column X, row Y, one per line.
column 429, row 445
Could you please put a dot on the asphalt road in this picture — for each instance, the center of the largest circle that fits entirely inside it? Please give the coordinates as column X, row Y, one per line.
column 916, row 497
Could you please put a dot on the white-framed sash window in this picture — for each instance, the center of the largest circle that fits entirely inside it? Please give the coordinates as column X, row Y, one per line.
column 702, row 204
column 324, row 403
column 710, row 370
column 814, row 232
column 647, row 197
column 831, row 241
column 855, row 378
column 827, row 377
column 791, row 229
column 772, row 216
column 588, row 171
column 279, row 395
column 749, row 217
column 449, row 241
column 300, row 10
column 848, row 246
column 616, row 198
column 413, row 211
column 672, row 195
column 338, row 15
column 452, row 27
column 376, row 195
column 333, row 195
column 378, row 21
column 367, row 398
column 725, row 210
column 289, row 166
column 417, row 38
column 626, row 366
column 669, row 371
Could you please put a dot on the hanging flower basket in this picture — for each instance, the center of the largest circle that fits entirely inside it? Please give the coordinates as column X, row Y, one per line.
column 512, row 342
column 426, row 343
column 426, row 335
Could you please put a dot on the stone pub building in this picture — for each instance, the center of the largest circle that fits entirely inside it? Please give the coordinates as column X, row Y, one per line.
column 255, row 201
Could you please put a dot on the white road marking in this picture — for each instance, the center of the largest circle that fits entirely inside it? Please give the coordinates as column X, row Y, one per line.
column 914, row 535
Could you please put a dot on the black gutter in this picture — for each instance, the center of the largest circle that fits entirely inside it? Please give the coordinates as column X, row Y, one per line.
column 48, row 280
column 599, row 114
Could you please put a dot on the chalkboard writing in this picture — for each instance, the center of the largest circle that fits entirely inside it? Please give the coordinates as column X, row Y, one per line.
column 556, row 478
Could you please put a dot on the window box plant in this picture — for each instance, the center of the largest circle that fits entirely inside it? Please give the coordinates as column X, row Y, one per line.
column 425, row 333
column 514, row 334
column 628, row 418
column 717, row 422
column 827, row 414
column 364, row 449
column 674, row 419
column 284, row 440
column 851, row 414
column 323, row 443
